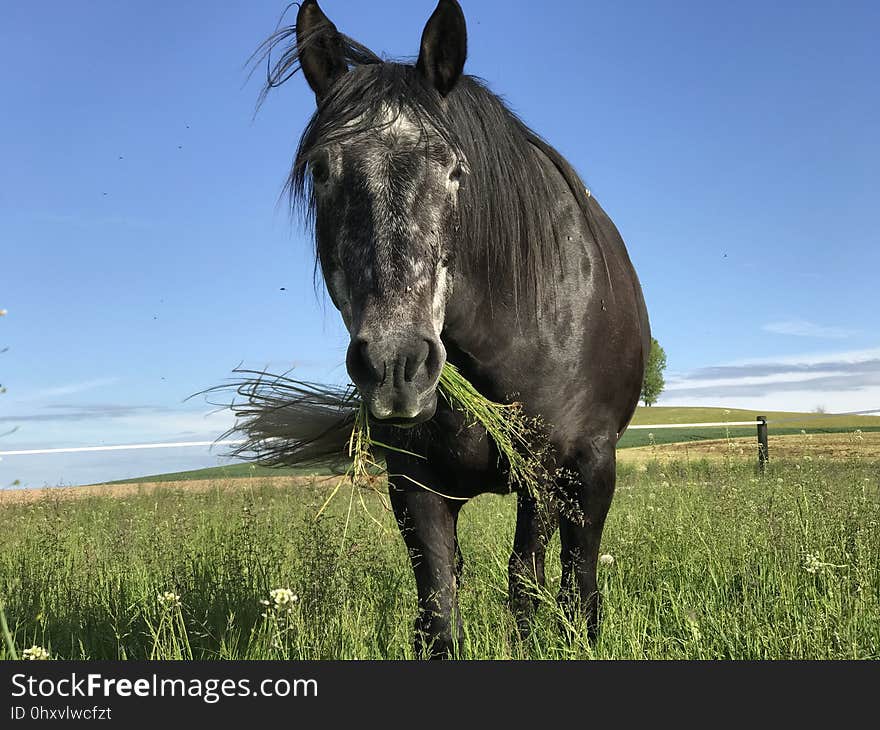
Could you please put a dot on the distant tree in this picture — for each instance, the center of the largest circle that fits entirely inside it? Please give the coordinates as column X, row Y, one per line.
column 654, row 382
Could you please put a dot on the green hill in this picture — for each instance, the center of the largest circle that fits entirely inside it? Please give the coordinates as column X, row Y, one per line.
column 663, row 414
column 231, row 471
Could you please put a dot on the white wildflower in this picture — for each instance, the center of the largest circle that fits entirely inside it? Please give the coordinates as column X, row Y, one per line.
column 606, row 559
column 169, row 600
column 813, row 563
column 35, row 653
column 283, row 598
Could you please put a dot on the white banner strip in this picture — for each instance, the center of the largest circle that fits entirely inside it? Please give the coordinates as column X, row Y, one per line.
column 121, row 447
column 694, row 425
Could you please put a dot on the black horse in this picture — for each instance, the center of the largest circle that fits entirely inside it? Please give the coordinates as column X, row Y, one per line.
column 447, row 230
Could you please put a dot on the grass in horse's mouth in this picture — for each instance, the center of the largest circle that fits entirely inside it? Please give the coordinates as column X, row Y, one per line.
column 516, row 436
column 287, row 422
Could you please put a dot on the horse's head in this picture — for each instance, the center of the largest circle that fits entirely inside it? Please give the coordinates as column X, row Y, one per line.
column 383, row 190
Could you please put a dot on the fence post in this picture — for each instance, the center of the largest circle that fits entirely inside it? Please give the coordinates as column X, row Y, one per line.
column 763, row 453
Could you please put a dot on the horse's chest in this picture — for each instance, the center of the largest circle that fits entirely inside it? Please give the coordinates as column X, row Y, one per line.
column 462, row 456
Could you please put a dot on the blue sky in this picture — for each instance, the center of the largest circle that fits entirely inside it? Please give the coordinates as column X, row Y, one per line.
column 144, row 252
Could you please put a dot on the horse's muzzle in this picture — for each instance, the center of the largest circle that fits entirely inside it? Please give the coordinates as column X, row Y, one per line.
column 397, row 374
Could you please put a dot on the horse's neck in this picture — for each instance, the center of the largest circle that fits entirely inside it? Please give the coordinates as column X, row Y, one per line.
column 484, row 320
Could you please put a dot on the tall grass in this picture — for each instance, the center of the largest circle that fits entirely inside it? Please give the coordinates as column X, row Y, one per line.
column 710, row 561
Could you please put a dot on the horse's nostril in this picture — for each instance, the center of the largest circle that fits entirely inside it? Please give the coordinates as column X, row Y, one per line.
column 435, row 358
column 415, row 359
column 361, row 364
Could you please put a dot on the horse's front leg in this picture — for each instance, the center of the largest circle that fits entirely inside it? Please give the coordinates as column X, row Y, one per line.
column 589, row 487
column 427, row 523
column 535, row 525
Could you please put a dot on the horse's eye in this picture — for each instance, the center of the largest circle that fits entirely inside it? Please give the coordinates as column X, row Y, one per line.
column 456, row 173
column 320, row 170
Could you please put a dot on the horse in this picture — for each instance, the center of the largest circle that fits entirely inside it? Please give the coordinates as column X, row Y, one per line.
column 446, row 230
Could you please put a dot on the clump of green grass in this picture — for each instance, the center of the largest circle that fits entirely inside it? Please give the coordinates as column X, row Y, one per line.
column 518, row 438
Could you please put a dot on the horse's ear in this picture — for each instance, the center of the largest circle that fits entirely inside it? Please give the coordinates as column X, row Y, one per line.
column 321, row 48
column 444, row 46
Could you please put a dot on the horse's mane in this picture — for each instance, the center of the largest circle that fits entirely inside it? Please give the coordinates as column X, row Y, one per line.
column 509, row 210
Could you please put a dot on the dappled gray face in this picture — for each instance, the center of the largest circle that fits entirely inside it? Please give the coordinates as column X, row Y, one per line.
column 385, row 204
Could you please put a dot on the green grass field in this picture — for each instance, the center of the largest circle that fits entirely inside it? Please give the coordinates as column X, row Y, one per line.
column 710, row 561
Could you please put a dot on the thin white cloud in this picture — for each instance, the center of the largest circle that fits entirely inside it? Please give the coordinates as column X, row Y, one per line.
column 69, row 389
column 804, row 328
column 812, row 358
column 125, row 426
column 685, row 383
column 839, row 381
column 802, row 401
